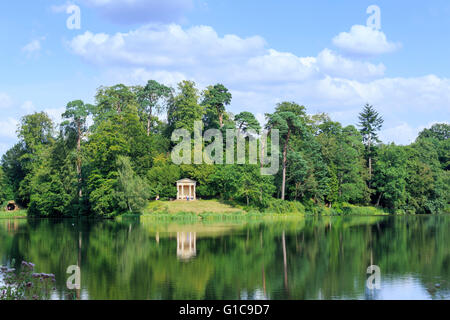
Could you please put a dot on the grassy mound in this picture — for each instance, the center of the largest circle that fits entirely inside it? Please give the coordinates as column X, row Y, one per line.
column 193, row 207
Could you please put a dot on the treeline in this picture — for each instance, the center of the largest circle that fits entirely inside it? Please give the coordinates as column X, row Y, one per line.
column 112, row 157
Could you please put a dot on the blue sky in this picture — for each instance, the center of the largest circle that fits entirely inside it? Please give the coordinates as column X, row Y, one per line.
column 318, row 53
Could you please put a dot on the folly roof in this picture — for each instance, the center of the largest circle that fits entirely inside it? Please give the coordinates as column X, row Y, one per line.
column 186, row 180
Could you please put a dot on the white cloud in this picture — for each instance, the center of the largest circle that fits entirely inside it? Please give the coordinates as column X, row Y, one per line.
column 5, row 101
column 259, row 77
column 61, row 8
column 199, row 52
column 364, row 40
column 165, row 46
column 33, row 47
column 337, row 66
column 3, row 148
column 28, row 107
column 141, row 11
column 403, row 134
column 8, row 128
column 55, row 114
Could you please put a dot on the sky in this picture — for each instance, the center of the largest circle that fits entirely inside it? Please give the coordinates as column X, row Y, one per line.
column 330, row 56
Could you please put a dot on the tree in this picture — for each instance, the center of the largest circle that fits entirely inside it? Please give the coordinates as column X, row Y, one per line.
column 6, row 192
column 76, row 113
column 149, row 98
column 36, row 134
column 215, row 98
column 370, row 123
column 162, row 177
column 390, row 174
column 246, row 121
column 132, row 190
column 184, row 108
column 242, row 182
column 288, row 121
column 113, row 99
column 35, row 130
column 439, row 131
column 14, row 169
column 342, row 149
column 439, row 135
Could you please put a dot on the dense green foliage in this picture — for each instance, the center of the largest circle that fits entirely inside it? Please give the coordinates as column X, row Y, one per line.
column 112, row 157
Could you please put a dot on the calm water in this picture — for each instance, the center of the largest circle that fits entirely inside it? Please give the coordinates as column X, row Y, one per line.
column 311, row 258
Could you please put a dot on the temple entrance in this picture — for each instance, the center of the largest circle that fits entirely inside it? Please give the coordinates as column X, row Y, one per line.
column 186, row 190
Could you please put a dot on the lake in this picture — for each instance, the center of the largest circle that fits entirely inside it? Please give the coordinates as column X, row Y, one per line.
column 286, row 258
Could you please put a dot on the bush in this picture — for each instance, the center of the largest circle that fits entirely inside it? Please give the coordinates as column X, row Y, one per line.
column 283, row 206
column 25, row 285
column 349, row 209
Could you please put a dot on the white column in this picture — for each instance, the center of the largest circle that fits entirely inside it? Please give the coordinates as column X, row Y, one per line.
column 190, row 194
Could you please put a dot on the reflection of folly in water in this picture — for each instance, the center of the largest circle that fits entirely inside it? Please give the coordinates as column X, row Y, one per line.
column 186, row 245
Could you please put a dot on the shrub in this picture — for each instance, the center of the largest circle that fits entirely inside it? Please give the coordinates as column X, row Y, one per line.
column 26, row 284
column 283, row 206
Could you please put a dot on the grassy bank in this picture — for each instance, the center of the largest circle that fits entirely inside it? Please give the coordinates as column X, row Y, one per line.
column 215, row 209
column 13, row 214
column 208, row 209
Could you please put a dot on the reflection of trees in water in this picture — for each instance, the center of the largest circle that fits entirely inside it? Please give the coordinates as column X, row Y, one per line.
column 310, row 259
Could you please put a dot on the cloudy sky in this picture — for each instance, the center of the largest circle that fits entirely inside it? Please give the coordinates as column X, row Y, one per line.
column 323, row 54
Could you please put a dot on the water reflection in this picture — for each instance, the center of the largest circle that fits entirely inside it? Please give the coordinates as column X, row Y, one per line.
column 186, row 245
column 312, row 258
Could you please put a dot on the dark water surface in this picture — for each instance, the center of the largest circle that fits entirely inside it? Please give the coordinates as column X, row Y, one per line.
column 305, row 258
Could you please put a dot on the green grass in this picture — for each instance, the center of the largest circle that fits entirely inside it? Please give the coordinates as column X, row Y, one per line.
column 193, row 207
column 205, row 210
column 13, row 214
column 214, row 209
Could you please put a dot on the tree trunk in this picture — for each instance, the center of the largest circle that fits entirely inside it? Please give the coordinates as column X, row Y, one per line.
column 379, row 199
column 283, row 186
column 221, row 120
column 149, row 122
column 80, row 192
column 370, row 160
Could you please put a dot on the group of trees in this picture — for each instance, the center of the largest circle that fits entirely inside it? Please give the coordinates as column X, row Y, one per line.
column 113, row 156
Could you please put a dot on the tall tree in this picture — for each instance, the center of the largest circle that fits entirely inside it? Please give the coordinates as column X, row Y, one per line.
column 288, row 121
column 76, row 113
column 216, row 98
column 35, row 130
column 132, row 190
column 184, row 108
column 6, row 192
column 150, row 99
column 113, row 99
column 370, row 123
column 246, row 121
